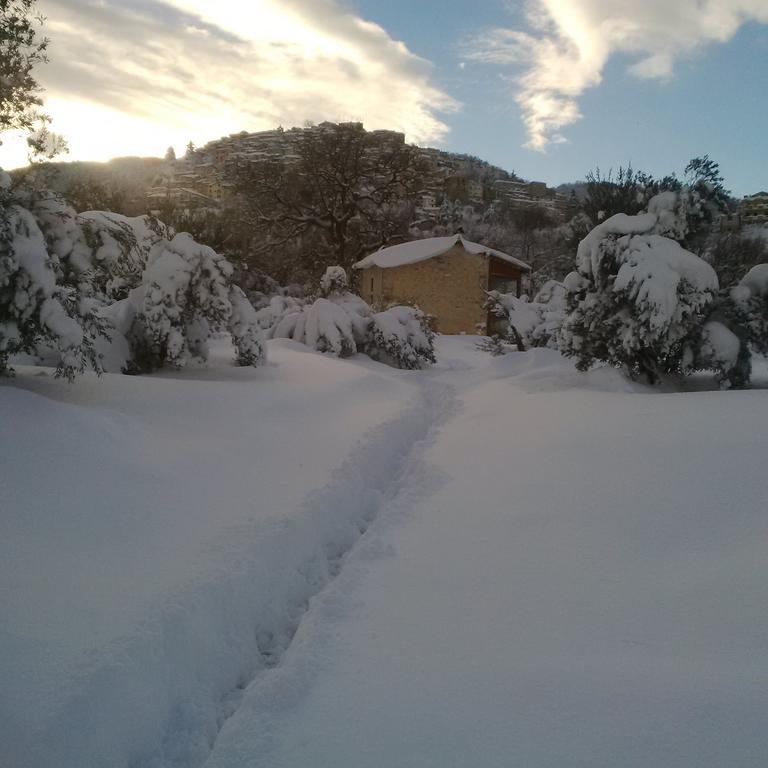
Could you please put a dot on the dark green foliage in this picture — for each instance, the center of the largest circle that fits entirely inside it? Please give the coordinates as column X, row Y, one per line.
column 733, row 254
column 730, row 314
column 626, row 192
column 629, row 191
column 401, row 337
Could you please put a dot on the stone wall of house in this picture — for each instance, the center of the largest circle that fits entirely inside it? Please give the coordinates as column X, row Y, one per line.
column 448, row 287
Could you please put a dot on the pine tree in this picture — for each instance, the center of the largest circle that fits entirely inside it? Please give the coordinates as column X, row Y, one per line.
column 637, row 296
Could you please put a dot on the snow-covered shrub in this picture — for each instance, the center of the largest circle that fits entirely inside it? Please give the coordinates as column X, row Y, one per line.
column 341, row 323
column 494, row 345
column 328, row 328
column 246, row 332
column 401, row 336
column 102, row 254
column 737, row 324
column 720, row 346
column 67, row 279
column 334, row 281
column 185, row 295
column 749, row 300
column 290, row 326
column 120, row 248
column 258, row 286
column 335, row 287
column 37, row 314
column 270, row 315
column 341, row 328
column 636, row 295
column 530, row 323
column 323, row 326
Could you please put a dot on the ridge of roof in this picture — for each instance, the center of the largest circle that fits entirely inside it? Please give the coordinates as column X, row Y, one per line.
column 415, row 251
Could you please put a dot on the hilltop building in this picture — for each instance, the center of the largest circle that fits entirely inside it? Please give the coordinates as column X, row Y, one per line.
column 754, row 209
column 521, row 194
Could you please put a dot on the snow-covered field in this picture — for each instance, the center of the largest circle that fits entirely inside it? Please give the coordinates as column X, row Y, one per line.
column 334, row 563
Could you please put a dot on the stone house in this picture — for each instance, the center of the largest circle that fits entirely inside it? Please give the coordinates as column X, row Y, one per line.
column 754, row 209
column 446, row 277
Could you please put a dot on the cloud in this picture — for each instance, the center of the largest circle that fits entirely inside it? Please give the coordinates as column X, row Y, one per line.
column 124, row 73
column 570, row 41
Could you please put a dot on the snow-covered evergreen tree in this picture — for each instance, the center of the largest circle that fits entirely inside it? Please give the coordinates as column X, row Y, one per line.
column 720, row 345
column 749, row 301
column 67, row 279
column 328, row 328
column 334, row 281
column 184, row 295
column 268, row 317
column 334, row 286
column 637, row 295
column 101, row 254
column 245, row 329
column 36, row 313
column 402, row 337
column 533, row 323
column 322, row 325
column 736, row 325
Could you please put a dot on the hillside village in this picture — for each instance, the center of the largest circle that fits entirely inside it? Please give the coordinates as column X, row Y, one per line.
column 199, row 179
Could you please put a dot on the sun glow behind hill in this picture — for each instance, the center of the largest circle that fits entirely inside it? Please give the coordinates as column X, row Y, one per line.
column 133, row 78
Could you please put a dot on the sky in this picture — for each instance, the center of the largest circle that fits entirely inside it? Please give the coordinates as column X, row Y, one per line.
column 548, row 88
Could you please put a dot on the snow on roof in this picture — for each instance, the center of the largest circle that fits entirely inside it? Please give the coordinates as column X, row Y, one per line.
column 421, row 250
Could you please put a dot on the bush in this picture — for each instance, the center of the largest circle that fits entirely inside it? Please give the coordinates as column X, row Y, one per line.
column 530, row 323
column 637, row 296
column 37, row 314
column 341, row 323
column 722, row 347
column 401, row 337
column 749, row 302
column 184, row 296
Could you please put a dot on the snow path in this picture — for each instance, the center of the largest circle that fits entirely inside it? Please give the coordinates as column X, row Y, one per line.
column 281, row 686
column 161, row 537
column 568, row 575
column 365, row 485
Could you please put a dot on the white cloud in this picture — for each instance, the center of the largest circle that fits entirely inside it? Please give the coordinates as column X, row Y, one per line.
column 132, row 76
column 570, row 42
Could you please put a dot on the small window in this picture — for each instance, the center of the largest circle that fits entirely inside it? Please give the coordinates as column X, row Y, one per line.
column 371, row 286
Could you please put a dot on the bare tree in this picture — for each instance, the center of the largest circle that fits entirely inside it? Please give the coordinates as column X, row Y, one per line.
column 347, row 193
